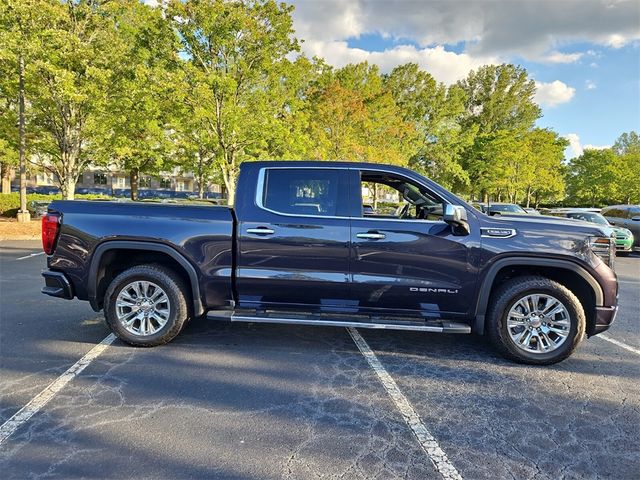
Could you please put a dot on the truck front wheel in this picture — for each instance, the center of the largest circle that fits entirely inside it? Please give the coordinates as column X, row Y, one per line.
column 146, row 305
column 535, row 320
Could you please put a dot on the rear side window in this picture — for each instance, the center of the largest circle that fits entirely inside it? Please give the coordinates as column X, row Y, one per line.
column 305, row 191
column 614, row 212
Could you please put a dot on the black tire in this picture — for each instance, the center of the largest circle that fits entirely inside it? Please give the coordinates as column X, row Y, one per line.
column 175, row 290
column 508, row 294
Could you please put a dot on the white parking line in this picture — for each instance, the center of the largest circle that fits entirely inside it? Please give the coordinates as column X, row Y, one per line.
column 40, row 400
column 629, row 281
column 619, row 343
column 31, row 255
column 427, row 441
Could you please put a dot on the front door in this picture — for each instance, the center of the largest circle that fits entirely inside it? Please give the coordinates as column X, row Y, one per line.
column 405, row 259
column 294, row 242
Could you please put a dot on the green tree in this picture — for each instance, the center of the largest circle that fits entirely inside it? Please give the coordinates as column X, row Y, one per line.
column 499, row 104
column 540, row 179
column 591, row 176
column 500, row 97
column 626, row 168
column 436, row 112
column 67, row 85
column 236, row 54
column 137, row 122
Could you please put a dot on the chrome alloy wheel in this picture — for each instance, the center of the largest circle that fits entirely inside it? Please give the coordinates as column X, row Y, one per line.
column 538, row 323
column 142, row 308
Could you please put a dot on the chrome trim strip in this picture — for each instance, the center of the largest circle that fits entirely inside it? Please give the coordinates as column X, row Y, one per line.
column 260, row 196
column 453, row 328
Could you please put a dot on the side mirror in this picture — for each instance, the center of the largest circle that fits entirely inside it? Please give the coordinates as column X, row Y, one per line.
column 456, row 216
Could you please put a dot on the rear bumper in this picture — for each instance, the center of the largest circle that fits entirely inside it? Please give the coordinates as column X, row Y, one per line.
column 56, row 284
column 604, row 318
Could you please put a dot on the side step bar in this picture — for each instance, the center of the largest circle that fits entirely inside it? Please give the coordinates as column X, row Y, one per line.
column 443, row 327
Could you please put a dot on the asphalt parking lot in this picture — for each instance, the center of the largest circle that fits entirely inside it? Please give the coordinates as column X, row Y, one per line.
column 276, row 401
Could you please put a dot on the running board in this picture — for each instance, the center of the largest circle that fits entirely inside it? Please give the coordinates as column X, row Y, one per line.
column 443, row 327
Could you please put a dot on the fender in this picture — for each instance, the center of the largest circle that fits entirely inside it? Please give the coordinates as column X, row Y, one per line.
column 487, row 282
column 101, row 249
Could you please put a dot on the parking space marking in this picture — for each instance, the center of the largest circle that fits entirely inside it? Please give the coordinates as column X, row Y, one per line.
column 629, row 281
column 619, row 343
column 30, row 255
column 427, row 441
column 30, row 409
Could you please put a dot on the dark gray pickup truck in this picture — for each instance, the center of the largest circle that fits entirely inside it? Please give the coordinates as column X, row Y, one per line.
column 301, row 247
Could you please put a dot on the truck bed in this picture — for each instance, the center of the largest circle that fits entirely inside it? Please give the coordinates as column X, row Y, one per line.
column 202, row 234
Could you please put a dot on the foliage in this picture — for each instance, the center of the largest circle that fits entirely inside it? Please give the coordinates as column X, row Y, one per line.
column 203, row 85
column 236, row 55
column 138, row 116
column 10, row 203
column 605, row 176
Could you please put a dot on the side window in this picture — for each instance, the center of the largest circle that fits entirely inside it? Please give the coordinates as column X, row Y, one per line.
column 304, row 191
column 390, row 196
column 614, row 212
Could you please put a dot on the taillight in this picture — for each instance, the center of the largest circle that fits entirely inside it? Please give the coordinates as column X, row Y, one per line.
column 50, row 228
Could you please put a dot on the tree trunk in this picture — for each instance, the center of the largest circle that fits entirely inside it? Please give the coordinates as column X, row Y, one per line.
column 23, row 212
column 201, row 186
column 528, row 196
column 375, row 196
column 134, row 177
column 68, row 187
column 6, row 177
column 229, row 175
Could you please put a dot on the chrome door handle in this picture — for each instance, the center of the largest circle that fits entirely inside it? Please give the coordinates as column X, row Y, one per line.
column 371, row 236
column 261, row 231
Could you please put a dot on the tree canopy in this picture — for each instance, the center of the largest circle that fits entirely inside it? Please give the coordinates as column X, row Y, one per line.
column 203, row 85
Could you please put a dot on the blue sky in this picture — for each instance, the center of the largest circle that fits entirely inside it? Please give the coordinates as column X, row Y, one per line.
column 583, row 54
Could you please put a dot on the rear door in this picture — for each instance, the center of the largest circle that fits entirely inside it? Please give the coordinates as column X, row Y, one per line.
column 294, row 241
column 406, row 260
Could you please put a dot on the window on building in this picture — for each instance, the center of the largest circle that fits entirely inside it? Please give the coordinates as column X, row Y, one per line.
column 180, row 186
column 44, row 178
column 119, row 182
column 165, row 183
column 99, row 179
column 144, row 182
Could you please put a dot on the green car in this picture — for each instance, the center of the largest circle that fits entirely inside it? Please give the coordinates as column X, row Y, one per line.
column 624, row 237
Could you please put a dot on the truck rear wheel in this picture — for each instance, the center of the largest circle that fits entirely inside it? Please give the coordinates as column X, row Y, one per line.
column 535, row 320
column 146, row 305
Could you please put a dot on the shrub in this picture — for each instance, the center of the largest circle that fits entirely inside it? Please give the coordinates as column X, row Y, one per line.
column 10, row 202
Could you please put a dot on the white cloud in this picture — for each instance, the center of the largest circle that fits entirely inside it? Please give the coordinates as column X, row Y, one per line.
column 595, row 147
column 531, row 29
column 559, row 57
column 445, row 66
column 553, row 93
column 576, row 148
column 590, row 85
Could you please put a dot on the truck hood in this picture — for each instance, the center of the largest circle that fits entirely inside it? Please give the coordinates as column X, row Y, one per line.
column 541, row 223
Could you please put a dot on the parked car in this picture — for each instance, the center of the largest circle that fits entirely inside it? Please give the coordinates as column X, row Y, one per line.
column 504, row 209
column 625, row 216
column 533, row 285
column 624, row 237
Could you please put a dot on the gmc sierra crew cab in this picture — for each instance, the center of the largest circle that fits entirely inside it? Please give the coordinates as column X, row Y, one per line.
column 299, row 247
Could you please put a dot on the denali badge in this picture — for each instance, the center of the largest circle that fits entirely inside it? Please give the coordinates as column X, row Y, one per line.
column 433, row 290
column 497, row 232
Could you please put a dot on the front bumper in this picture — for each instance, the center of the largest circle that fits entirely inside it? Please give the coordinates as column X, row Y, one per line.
column 625, row 245
column 605, row 316
column 56, row 284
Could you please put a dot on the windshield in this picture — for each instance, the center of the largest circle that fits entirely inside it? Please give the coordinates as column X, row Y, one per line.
column 506, row 208
column 589, row 217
